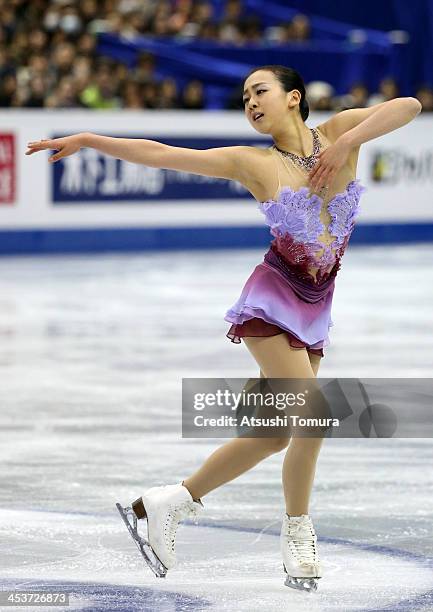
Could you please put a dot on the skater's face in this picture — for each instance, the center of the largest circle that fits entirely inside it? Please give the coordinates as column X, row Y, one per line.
column 263, row 93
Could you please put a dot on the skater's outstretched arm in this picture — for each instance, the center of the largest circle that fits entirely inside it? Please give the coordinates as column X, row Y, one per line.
column 232, row 163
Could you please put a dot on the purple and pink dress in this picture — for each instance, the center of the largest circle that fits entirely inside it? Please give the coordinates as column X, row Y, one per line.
column 291, row 290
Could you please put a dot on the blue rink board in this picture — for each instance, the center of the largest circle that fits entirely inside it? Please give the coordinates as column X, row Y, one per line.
column 33, row 241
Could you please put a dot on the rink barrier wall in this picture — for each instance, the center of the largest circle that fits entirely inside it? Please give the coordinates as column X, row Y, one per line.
column 92, row 202
column 31, row 242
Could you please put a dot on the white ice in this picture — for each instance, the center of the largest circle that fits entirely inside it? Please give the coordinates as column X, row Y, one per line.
column 93, row 350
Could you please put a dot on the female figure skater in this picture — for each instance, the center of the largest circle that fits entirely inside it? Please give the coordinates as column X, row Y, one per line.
column 307, row 191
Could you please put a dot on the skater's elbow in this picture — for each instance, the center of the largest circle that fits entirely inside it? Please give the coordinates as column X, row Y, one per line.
column 220, row 162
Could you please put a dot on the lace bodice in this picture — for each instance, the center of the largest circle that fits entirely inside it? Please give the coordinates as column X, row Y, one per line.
column 312, row 232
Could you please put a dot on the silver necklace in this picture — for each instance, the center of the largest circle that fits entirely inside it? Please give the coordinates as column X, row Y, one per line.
column 307, row 162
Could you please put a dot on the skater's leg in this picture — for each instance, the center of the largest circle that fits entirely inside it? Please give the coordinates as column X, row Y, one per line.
column 164, row 507
column 231, row 460
column 299, row 469
column 298, row 540
column 299, row 465
column 278, row 360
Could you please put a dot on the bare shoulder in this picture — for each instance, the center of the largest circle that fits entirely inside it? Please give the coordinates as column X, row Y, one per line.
column 254, row 167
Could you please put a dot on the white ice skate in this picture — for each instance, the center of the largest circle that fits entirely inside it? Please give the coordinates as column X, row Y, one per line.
column 163, row 508
column 298, row 543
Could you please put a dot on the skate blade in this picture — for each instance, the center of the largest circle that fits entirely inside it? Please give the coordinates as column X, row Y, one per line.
column 157, row 567
column 302, row 584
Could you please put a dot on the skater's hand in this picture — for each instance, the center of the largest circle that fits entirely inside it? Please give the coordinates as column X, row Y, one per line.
column 65, row 146
column 329, row 163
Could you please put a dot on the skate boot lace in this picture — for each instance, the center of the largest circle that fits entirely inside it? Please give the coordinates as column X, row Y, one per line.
column 175, row 514
column 304, row 547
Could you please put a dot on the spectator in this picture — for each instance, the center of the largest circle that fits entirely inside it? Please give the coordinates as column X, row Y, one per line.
column 356, row 98
column 193, row 96
column 8, row 21
column 51, row 18
column 115, row 23
column 37, row 41
column 8, row 90
column 300, row 28
column 209, row 31
column 296, row 30
column 135, row 24
column 388, row 90
column 65, row 95
column 37, row 92
column 158, row 24
column 144, row 72
column 121, row 74
column 250, row 29
column 132, row 95
column 62, row 60
column 229, row 27
column 230, row 33
column 88, row 11
column 425, row 96
column 70, row 20
column 82, row 72
column 5, row 64
column 100, row 93
column 168, row 94
column 38, row 64
column 180, row 17
column 86, row 44
column 201, row 13
column 150, row 94
column 19, row 49
column 320, row 96
column 233, row 11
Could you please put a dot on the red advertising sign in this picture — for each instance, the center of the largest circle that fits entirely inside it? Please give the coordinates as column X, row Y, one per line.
column 7, row 169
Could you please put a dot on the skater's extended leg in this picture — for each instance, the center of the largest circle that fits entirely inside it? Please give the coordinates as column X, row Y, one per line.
column 164, row 507
column 230, row 461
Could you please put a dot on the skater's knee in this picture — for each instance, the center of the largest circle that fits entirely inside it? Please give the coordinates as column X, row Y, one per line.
column 275, row 445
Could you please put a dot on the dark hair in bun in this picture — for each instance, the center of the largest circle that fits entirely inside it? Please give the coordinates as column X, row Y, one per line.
column 289, row 79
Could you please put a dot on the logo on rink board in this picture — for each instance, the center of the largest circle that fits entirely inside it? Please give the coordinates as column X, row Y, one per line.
column 90, row 176
column 7, row 169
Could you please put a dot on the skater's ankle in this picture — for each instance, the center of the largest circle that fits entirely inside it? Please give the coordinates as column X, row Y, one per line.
column 196, row 499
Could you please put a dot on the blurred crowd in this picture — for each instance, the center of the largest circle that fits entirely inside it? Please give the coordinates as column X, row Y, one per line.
column 48, row 55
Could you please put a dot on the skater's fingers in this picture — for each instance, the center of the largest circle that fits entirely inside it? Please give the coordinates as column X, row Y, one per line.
column 63, row 153
column 35, row 148
column 39, row 143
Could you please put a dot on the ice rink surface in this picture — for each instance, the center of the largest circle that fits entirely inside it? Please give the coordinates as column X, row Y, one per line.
column 93, row 351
